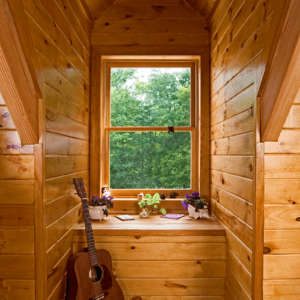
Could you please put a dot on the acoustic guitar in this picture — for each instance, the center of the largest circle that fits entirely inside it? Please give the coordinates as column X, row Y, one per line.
column 90, row 275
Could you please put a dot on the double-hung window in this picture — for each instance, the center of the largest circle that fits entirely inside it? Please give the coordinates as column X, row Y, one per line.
column 151, row 134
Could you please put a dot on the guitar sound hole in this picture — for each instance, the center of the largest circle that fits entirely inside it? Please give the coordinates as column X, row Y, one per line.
column 95, row 274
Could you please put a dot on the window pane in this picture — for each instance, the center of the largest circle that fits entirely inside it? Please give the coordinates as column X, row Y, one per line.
column 150, row 160
column 150, row 96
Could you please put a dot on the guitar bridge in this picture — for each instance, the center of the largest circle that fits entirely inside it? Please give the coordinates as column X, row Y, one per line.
column 99, row 297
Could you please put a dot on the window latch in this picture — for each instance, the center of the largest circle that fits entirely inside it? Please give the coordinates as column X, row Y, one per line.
column 171, row 129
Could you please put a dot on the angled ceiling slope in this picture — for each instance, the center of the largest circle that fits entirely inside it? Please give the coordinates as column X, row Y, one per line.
column 19, row 84
column 281, row 80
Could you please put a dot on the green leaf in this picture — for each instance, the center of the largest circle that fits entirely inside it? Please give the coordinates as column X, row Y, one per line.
column 148, row 197
column 150, row 202
column 155, row 206
column 142, row 203
column 156, row 197
column 163, row 211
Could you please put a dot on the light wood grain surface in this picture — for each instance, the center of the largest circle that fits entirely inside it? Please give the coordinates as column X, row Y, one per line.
column 154, row 225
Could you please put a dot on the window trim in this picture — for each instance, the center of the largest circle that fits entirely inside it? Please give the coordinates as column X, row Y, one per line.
column 98, row 107
column 109, row 62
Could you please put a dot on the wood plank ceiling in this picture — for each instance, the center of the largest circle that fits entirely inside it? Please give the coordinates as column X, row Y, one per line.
column 204, row 7
column 149, row 27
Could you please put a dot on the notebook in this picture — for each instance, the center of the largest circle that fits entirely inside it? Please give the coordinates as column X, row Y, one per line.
column 173, row 216
column 125, row 217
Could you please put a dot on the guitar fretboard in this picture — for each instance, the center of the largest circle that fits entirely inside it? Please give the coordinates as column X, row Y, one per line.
column 89, row 233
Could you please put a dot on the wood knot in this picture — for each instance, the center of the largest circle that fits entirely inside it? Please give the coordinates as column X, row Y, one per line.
column 2, row 242
column 298, row 219
column 137, row 298
column 251, row 168
column 267, row 250
column 133, row 247
column 137, row 237
column 198, row 262
column 106, row 24
column 158, row 8
column 174, row 285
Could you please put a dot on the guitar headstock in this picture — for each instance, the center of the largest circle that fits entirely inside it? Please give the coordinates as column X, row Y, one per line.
column 80, row 188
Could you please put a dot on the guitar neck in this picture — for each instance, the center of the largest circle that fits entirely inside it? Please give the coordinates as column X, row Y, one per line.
column 89, row 233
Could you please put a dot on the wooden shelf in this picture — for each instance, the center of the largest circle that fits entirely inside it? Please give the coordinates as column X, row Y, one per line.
column 154, row 225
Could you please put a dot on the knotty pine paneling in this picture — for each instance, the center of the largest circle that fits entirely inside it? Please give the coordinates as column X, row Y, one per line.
column 17, row 260
column 142, row 28
column 61, row 36
column 158, row 267
column 281, row 220
column 238, row 30
column 11, row 289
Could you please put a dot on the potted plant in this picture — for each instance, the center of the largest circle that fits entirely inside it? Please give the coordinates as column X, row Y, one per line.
column 149, row 205
column 98, row 207
column 197, row 207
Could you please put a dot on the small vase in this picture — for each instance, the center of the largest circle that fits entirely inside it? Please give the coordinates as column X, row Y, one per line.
column 200, row 214
column 144, row 213
column 97, row 212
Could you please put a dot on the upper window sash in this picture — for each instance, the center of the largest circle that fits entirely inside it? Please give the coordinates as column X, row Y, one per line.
column 155, row 64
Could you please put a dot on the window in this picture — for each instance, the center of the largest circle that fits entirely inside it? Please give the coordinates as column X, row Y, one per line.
column 144, row 98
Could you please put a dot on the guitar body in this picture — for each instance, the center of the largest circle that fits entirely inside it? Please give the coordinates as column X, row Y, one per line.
column 81, row 287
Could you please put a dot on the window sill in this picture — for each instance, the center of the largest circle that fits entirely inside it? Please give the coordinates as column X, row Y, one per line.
column 154, row 225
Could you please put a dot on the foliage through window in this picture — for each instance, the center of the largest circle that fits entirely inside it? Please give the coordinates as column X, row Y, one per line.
column 142, row 103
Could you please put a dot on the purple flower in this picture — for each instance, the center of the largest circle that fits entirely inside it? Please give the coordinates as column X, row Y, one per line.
column 187, row 196
column 111, row 197
column 104, row 197
column 185, row 205
column 5, row 115
column 95, row 197
column 195, row 194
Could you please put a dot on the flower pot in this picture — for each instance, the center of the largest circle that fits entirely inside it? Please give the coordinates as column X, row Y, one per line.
column 200, row 214
column 96, row 212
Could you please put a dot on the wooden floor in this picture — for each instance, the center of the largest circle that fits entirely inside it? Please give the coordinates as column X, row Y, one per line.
column 158, row 258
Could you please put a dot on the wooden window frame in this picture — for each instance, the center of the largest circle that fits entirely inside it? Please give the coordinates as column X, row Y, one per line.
column 98, row 103
column 133, row 62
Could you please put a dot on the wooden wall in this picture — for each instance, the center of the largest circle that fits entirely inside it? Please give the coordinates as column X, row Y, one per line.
column 239, row 31
column 61, row 36
column 150, row 27
column 282, row 211
column 17, row 260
